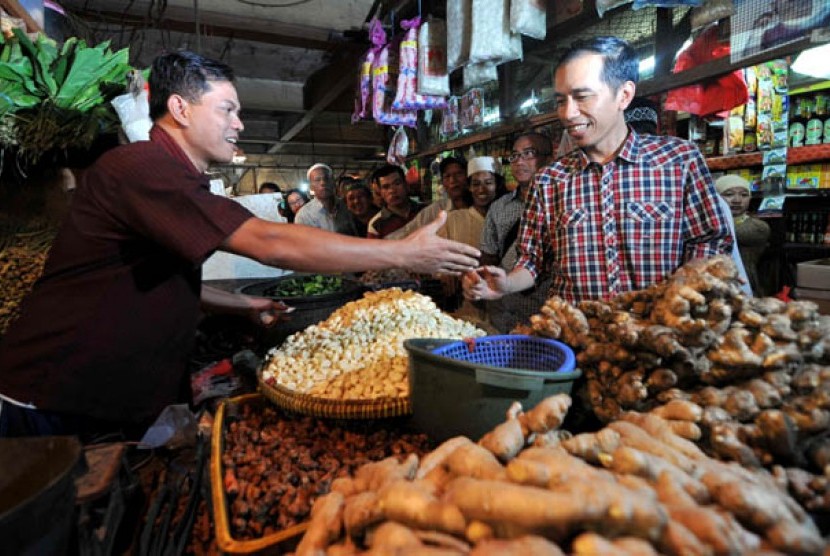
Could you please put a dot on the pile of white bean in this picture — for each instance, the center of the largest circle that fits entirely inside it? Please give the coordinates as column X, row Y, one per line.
column 358, row 353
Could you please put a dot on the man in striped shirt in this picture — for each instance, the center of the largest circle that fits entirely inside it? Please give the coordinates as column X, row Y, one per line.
column 622, row 210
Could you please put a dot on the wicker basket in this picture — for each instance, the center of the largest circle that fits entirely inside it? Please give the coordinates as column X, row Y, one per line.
column 334, row 409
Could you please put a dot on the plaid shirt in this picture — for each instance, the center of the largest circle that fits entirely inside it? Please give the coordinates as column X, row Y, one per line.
column 623, row 226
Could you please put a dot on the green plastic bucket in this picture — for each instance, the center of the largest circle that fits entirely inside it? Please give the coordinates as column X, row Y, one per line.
column 465, row 387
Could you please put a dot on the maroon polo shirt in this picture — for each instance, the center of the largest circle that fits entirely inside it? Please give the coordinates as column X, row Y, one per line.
column 389, row 221
column 107, row 329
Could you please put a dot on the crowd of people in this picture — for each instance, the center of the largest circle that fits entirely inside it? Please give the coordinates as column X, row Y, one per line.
column 617, row 210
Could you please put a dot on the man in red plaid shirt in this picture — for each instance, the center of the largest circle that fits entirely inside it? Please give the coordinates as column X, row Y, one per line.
column 622, row 210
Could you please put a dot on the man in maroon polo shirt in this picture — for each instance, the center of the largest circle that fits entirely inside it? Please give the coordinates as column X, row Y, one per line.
column 104, row 336
column 398, row 208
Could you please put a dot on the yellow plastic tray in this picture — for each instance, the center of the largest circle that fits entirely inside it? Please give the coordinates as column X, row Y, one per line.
column 276, row 543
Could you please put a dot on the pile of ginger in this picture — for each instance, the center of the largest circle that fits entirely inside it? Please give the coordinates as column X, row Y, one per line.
column 634, row 487
column 748, row 377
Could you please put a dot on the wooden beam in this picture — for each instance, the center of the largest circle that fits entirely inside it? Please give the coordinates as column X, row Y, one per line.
column 217, row 25
column 334, row 91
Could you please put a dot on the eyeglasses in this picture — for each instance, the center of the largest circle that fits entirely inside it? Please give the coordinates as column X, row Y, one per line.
column 526, row 154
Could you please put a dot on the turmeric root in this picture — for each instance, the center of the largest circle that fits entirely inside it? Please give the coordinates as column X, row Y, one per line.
column 326, row 518
column 409, row 503
column 360, row 511
column 630, row 461
column 522, row 546
column 682, row 410
column 589, row 446
column 438, row 456
column 547, row 415
column 504, row 441
column 472, row 460
column 374, row 475
column 721, row 532
column 562, row 511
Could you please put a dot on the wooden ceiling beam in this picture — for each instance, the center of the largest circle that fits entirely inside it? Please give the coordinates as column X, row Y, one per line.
column 217, row 25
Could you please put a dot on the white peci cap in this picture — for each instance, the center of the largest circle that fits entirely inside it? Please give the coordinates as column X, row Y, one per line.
column 482, row 164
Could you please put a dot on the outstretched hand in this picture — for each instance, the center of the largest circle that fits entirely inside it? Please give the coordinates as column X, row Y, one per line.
column 486, row 282
column 431, row 254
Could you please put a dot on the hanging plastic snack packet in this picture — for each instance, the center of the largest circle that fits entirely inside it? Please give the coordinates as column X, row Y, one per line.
column 460, row 20
column 406, row 95
column 529, row 17
column 363, row 98
column 433, row 77
column 384, row 82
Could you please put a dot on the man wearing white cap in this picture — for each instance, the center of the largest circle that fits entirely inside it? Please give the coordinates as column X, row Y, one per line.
column 326, row 211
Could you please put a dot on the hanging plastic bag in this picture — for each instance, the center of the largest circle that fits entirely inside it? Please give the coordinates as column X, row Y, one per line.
column 529, row 17
column 490, row 38
column 398, row 148
column 460, row 20
column 133, row 109
column 712, row 95
column 406, row 95
column 363, row 98
column 433, row 78
column 384, row 81
column 479, row 74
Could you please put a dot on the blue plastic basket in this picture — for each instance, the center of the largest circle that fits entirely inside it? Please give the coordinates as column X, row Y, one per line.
column 528, row 353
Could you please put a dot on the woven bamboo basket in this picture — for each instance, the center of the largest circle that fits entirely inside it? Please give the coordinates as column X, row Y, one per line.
column 305, row 404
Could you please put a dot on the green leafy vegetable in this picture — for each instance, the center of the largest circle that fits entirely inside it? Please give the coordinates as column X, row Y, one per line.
column 57, row 98
column 304, row 286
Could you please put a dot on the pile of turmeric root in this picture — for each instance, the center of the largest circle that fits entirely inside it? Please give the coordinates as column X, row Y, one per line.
column 747, row 378
column 634, row 487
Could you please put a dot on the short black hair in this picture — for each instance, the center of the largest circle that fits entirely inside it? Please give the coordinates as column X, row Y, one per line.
column 183, row 73
column 620, row 62
column 357, row 185
column 385, row 170
column 540, row 141
column 449, row 161
column 269, row 186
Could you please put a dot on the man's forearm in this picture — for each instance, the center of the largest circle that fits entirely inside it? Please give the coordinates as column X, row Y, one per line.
column 519, row 279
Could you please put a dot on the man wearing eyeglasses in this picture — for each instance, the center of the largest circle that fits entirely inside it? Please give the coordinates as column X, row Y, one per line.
column 620, row 212
column 531, row 152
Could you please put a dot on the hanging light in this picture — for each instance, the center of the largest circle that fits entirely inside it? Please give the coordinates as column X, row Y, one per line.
column 813, row 62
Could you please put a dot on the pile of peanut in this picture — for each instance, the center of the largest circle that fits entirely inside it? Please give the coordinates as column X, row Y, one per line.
column 358, row 352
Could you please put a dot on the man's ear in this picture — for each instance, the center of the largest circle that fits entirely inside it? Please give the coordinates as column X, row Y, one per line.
column 179, row 109
column 626, row 93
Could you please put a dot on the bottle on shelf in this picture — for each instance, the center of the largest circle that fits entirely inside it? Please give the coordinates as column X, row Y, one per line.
column 795, row 133
column 814, row 127
column 792, row 223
